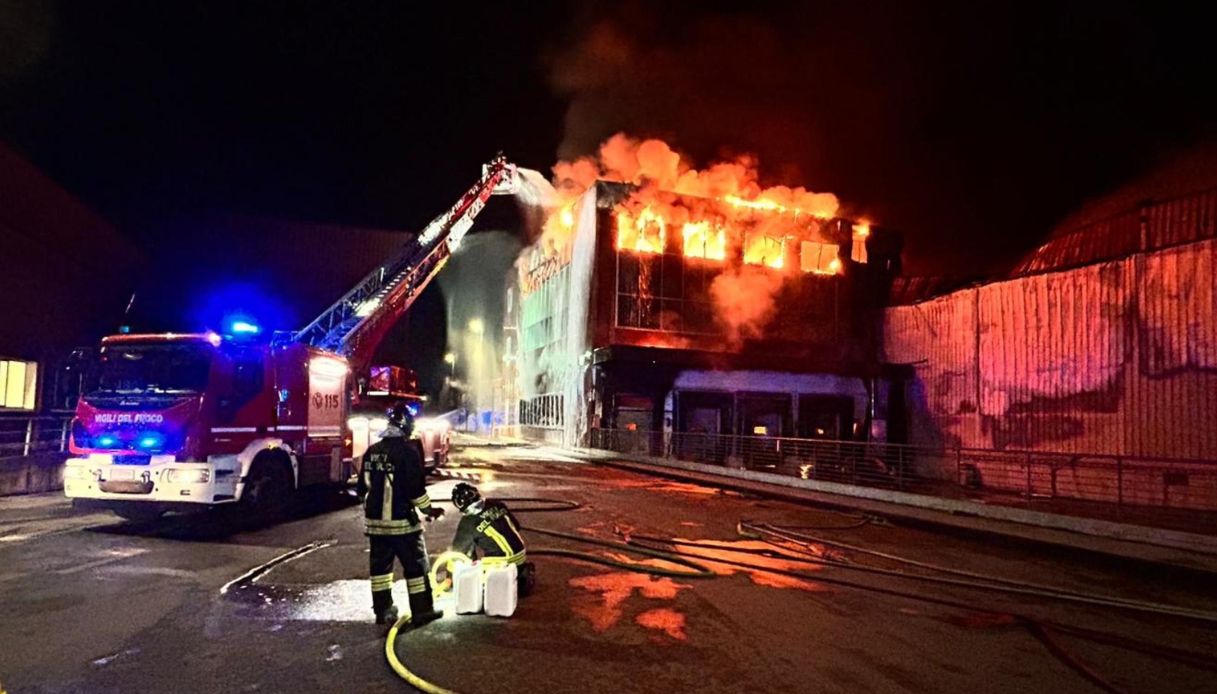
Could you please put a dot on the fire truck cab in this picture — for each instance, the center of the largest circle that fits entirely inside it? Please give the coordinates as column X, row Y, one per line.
column 188, row 421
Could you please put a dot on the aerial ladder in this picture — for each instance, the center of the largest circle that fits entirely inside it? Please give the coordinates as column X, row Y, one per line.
column 357, row 322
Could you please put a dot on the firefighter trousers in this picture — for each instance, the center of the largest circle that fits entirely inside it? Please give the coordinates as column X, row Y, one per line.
column 411, row 551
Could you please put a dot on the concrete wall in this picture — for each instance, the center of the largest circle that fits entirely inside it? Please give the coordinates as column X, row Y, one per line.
column 41, row 472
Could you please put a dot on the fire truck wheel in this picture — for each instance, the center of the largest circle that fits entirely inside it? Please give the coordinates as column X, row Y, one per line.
column 267, row 491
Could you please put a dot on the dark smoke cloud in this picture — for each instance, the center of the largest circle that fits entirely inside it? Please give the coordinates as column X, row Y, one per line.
column 970, row 131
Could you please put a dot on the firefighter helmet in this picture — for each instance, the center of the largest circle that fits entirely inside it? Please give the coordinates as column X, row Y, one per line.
column 465, row 495
column 401, row 417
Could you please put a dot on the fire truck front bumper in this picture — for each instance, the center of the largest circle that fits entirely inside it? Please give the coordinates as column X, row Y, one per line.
column 99, row 477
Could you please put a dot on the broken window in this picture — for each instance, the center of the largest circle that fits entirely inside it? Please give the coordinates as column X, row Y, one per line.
column 705, row 240
column 762, row 249
column 857, row 251
column 820, row 258
column 646, row 233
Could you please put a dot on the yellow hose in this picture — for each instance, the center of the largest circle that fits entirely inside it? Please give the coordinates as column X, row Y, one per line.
column 402, row 671
column 445, row 560
column 692, row 569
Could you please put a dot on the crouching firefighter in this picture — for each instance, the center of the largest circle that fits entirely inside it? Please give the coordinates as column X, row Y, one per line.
column 393, row 487
column 488, row 528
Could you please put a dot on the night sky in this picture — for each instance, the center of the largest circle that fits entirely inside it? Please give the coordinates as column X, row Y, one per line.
column 971, row 129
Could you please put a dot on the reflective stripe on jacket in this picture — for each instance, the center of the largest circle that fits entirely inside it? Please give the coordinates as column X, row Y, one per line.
column 494, row 531
column 393, row 486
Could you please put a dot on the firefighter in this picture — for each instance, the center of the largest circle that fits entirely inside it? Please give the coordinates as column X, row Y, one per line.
column 488, row 527
column 393, row 487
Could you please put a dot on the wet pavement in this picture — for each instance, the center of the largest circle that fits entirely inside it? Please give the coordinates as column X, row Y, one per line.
column 93, row 604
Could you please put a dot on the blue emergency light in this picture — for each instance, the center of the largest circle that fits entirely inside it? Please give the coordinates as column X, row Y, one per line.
column 149, row 440
column 244, row 327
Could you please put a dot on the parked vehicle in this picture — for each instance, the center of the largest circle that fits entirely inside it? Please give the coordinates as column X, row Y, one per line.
column 176, row 422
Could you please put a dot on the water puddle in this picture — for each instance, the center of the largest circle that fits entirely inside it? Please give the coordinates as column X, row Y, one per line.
column 747, row 552
column 346, row 600
column 121, row 655
column 613, row 480
column 603, row 608
column 665, row 620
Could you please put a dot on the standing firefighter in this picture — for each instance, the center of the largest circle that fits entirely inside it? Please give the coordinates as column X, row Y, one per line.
column 393, row 487
column 488, row 526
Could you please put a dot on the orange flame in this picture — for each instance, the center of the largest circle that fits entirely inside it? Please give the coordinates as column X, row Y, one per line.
column 703, row 241
column 566, row 217
column 762, row 237
column 646, row 233
column 819, row 258
column 762, row 249
column 654, row 166
column 765, row 205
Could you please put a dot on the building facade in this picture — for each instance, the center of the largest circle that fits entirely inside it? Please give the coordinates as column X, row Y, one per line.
column 65, row 277
column 761, row 324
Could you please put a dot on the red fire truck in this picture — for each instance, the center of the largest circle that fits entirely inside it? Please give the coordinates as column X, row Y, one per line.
column 178, row 421
column 387, row 386
column 190, row 421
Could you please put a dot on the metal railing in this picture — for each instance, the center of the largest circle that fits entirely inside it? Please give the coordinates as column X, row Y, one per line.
column 1152, row 491
column 22, row 435
column 543, row 412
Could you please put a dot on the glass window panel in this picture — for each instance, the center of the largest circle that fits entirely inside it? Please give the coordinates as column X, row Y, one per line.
column 31, row 385
column 14, row 391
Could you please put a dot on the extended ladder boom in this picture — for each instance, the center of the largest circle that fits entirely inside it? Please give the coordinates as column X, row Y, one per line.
column 355, row 324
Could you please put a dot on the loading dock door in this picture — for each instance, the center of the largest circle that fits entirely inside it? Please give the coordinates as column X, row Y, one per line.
column 763, row 417
column 826, row 417
column 704, row 420
column 703, row 424
column 635, row 416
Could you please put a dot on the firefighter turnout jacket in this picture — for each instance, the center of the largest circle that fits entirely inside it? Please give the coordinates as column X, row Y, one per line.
column 393, row 486
column 494, row 531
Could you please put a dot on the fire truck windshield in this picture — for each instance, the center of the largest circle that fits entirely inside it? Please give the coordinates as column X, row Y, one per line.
column 167, row 369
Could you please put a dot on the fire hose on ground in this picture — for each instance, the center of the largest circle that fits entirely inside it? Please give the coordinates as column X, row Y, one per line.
column 692, row 569
column 782, row 537
column 1042, row 630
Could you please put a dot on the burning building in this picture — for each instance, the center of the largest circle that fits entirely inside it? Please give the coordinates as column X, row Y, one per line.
column 647, row 308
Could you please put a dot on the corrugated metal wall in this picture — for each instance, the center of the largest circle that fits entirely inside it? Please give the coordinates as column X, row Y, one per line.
column 939, row 338
column 1115, row 357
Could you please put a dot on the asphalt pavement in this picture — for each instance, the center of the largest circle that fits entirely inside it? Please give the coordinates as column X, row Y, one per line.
column 90, row 603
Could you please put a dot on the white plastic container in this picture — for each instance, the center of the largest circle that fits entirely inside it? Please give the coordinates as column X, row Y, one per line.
column 467, row 585
column 501, row 591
